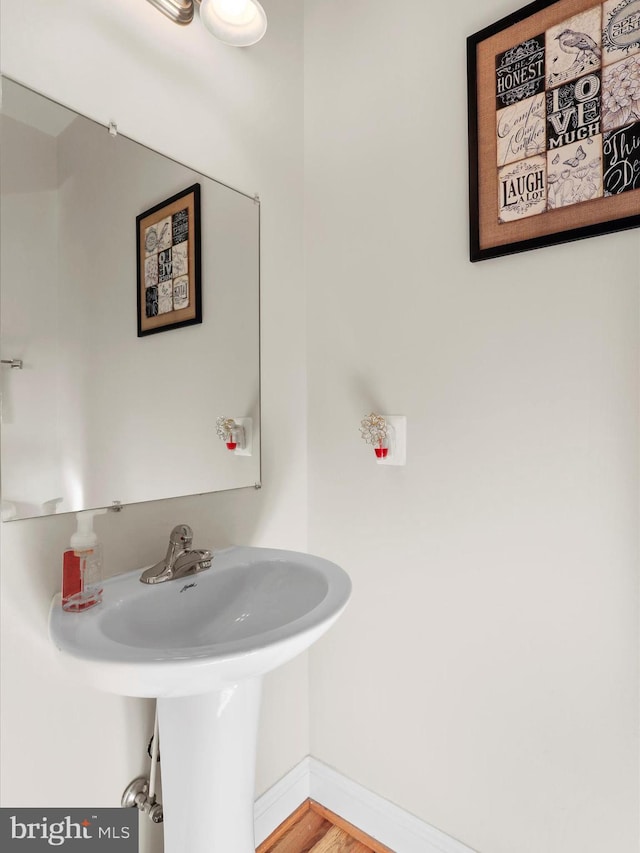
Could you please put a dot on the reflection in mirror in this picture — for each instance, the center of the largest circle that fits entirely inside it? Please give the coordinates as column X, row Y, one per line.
column 98, row 414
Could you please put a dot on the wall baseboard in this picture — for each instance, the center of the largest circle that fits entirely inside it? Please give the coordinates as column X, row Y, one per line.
column 379, row 818
column 274, row 806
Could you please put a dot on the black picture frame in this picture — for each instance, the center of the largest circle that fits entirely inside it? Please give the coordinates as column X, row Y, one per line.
column 490, row 235
column 168, row 251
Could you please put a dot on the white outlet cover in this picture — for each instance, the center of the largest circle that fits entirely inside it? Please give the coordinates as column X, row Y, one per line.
column 397, row 440
column 247, row 425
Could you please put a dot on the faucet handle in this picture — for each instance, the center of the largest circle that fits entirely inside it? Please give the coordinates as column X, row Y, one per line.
column 182, row 535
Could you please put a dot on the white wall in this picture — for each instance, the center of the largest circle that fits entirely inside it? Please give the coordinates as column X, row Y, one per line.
column 237, row 116
column 487, row 668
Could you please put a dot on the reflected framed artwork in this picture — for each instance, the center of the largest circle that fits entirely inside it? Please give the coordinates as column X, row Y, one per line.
column 554, row 125
column 168, row 252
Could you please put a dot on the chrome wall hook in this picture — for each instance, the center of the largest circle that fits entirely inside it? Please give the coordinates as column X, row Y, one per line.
column 13, row 362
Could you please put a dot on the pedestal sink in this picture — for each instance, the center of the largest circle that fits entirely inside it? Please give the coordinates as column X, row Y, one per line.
column 201, row 645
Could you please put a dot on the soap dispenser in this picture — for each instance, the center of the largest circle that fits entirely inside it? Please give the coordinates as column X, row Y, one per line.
column 82, row 566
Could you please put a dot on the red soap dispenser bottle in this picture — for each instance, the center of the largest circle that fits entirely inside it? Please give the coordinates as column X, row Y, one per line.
column 82, row 566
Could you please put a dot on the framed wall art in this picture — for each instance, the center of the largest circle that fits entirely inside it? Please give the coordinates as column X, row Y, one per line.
column 168, row 252
column 554, row 125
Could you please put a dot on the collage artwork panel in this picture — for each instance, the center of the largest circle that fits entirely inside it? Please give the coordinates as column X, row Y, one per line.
column 568, row 112
column 166, row 264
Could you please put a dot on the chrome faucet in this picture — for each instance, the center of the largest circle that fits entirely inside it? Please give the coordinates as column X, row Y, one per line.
column 180, row 559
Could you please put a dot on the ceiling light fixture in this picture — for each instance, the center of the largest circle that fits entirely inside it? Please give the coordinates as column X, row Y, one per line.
column 240, row 23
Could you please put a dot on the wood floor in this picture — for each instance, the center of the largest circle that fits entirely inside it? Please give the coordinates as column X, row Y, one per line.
column 314, row 829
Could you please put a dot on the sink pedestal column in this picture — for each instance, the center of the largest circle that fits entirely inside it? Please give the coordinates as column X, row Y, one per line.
column 208, row 754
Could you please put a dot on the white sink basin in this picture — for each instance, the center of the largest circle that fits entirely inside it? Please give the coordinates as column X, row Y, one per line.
column 201, row 645
column 252, row 611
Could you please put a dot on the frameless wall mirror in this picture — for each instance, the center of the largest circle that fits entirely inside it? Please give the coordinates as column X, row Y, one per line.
column 97, row 413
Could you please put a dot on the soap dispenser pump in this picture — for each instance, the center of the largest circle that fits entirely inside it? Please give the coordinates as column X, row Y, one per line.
column 82, row 566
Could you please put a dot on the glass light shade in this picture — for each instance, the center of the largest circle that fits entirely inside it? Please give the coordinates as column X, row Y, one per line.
column 237, row 22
